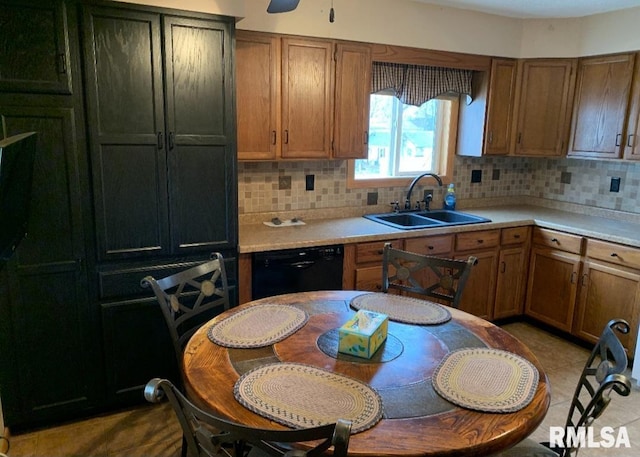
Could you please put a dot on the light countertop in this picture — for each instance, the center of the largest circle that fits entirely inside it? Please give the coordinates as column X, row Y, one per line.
column 319, row 232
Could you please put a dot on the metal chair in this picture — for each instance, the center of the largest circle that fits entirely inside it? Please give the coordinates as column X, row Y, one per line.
column 205, row 433
column 186, row 297
column 601, row 376
column 411, row 271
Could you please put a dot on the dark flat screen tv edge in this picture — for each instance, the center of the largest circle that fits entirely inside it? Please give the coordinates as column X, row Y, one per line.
column 17, row 154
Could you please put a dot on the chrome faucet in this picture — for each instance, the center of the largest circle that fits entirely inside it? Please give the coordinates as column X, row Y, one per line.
column 407, row 202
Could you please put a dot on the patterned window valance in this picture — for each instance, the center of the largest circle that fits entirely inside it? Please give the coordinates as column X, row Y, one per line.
column 416, row 84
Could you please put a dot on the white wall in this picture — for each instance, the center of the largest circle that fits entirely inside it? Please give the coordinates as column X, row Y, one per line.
column 612, row 32
column 397, row 22
column 416, row 24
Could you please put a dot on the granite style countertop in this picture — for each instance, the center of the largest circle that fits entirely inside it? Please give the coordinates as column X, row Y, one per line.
column 319, row 232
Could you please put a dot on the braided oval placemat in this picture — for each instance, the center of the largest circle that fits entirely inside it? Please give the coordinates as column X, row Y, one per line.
column 488, row 380
column 260, row 325
column 403, row 309
column 302, row 396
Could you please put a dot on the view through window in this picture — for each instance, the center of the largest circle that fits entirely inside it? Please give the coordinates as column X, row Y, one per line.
column 404, row 140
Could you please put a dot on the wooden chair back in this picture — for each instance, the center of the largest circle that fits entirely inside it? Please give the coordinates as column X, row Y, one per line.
column 434, row 277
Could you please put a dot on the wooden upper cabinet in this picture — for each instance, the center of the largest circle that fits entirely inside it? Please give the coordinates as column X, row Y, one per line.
column 307, row 98
column 502, row 86
column 353, row 89
column 301, row 98
column 543, row 105
column 257, row 95
column 631, row 141
column 284, row 97
column 600, row 106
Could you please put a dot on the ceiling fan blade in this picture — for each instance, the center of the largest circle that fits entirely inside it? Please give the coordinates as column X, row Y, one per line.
column 282, row 6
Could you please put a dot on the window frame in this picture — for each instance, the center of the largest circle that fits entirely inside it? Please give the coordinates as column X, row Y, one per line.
column 449, row 134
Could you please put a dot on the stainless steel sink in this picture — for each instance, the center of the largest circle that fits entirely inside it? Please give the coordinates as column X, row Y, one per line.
column 412, row 220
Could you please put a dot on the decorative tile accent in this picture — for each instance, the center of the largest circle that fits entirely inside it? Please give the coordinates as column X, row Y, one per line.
column 537, row 178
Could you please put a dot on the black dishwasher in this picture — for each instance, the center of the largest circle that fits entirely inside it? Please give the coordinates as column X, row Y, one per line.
column 296, row 270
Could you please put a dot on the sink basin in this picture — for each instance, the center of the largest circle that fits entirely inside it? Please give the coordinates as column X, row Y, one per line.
column 425, row 219
column 404, row 220
column 454, row 217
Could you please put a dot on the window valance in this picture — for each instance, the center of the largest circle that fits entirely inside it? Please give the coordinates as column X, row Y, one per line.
column 416, row 84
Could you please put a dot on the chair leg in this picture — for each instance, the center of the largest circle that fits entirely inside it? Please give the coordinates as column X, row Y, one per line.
column 183, row 451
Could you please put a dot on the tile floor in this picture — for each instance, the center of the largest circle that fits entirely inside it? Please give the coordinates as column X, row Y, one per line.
column 152, row 430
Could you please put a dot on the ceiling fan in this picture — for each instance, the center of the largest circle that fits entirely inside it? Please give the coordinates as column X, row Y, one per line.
column 282, row 6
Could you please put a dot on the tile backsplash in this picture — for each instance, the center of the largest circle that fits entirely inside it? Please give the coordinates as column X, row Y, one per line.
column 264, row 187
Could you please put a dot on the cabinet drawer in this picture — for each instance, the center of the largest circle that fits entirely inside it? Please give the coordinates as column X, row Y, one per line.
column 614, row 253
column 515, row 235
column 372, row 252
column 557, row 240
column 477, row 240
column 432, row 245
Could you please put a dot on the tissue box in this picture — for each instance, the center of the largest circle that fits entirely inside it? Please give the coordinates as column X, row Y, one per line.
column 363, row 334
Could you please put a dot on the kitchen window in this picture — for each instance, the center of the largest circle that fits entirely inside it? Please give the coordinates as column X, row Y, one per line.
column 412, row 124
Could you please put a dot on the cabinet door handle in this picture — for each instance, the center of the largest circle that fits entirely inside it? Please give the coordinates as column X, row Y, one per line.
column 273, row 137
column 171, row 140
column 554, row 240
column 618, row 137
column 62, row 64
column 160, row 140
column 573, row 277
column 614, row 254
column 503, row 267
column 480, row 241
column 519, row 137
column 491, row 137
column 516, row 236
column 366, row 137
column 431, row 248
column 584, row 279
column 630, row 141
column 286, row 137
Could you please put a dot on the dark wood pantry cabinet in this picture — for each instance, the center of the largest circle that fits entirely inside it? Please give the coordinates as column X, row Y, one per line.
column 135, row 175
column 161, row 134
column 49, row 336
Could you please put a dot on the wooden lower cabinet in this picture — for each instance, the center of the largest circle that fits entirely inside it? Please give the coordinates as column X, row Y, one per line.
column 607, row 292
column 552, row 288
column 363, row 265
column 511, row 278
column 609, row 289
column 479, row 293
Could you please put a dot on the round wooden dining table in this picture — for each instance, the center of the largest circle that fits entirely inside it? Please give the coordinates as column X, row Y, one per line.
column 416, row 420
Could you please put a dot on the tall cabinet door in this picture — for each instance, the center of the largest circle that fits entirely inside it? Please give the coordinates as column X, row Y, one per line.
column 600, row 108
column 500, row 107
column 545, row 96
column 307, row 98
column 200, row 123
column 353, row 90
column 258, row 95
column 53, row 345
column 34, row 47
column 123, row 71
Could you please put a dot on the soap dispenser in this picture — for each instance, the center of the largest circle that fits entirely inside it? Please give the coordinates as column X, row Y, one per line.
column 450, row 198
